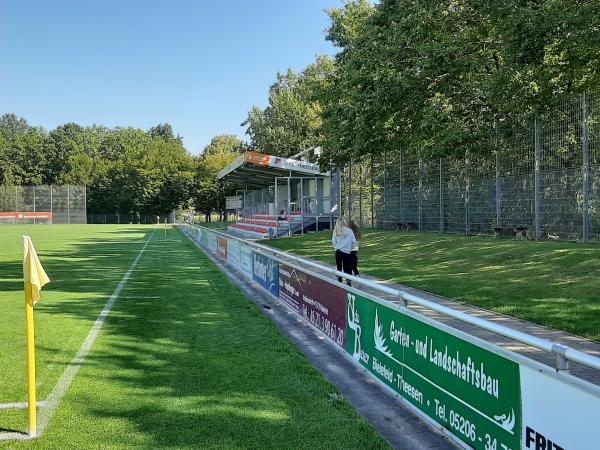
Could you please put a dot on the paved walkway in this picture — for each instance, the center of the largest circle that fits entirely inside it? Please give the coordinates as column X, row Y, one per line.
column 576, row 342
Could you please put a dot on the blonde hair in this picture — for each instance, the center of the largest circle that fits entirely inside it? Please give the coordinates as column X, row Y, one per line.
column 340, row 226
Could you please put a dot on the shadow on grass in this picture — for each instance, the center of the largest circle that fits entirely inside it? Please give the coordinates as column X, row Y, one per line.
column 184, row 360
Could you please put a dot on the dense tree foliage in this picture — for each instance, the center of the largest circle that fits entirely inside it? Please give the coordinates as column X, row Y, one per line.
column 431, row 75
column 209, row 194
column 124, row 169
column 292, row 120
column 434, row 75
column 426, row 76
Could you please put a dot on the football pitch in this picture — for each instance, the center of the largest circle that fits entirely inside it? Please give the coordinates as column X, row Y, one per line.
column 183, row 359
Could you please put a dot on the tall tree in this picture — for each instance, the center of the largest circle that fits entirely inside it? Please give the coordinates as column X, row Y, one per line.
column 165, row 132
column 432, row 76
column 209, row 194
column 292, row 120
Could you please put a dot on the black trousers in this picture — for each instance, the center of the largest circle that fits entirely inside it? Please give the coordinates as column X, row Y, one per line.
column 354, row 263
column 343, row 262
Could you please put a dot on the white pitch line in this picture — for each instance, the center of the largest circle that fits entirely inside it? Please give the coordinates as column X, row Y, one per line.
column 22, row 405
column 63, row 384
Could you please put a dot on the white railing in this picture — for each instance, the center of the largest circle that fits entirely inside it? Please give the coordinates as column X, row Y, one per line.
column 562, row 353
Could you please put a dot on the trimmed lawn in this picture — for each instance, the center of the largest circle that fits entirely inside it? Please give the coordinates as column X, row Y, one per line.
column 556, row 284
column 216, row 225
column 183, row 361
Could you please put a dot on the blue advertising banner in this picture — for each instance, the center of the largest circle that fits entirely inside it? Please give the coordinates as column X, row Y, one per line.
column 266, row 273
column 246, row 260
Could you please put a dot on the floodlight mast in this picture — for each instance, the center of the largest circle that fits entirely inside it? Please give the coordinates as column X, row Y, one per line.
column 317, row 151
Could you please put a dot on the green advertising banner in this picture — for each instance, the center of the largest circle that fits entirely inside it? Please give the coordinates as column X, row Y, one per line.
column 472, row 392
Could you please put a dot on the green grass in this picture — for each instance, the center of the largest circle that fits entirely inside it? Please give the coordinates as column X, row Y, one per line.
column 216, row 225
column 556, row 284
column 183, row 361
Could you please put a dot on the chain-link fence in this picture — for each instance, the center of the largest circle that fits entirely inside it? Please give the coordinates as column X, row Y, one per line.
column 42, row 204
column 536, row 176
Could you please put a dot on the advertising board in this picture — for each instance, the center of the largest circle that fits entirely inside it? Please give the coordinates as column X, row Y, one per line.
column 233, row 252
column 246, row 260
column 233, row 202
column 212, row 241
column 480, row 394
column 222, row 247
column 265, row 271
column 321, row 303
column 44, row 215
column 557, row 415
column 472, row 392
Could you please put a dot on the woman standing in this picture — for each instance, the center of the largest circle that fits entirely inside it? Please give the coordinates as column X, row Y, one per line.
column 343, row 240
column 354, row 253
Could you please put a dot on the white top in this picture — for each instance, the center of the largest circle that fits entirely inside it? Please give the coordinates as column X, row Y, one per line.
column 355, row 246
column 345, row 242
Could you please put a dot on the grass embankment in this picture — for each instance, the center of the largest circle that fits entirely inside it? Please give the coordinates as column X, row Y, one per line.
column 183, row 361
column 556, row 284
column 216, row 225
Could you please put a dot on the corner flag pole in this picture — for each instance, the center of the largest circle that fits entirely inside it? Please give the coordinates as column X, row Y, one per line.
column 29, row 325
column 34, row 278
column 31, row 369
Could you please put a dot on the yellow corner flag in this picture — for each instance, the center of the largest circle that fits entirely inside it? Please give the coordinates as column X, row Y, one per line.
column 34, row 275
column 34, row 278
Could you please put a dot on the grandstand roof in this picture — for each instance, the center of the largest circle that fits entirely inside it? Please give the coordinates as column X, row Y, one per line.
column 260, row 170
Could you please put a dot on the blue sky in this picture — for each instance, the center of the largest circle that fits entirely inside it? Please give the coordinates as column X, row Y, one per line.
column 199, row 65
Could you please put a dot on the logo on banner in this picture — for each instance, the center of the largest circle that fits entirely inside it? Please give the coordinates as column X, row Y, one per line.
column 353, row 324
column 266, row 272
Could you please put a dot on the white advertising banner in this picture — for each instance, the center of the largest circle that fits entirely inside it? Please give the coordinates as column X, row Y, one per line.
column 557, row 415
column 233, row 202
column 233, row 252
column 212, row 241
column 294, row 164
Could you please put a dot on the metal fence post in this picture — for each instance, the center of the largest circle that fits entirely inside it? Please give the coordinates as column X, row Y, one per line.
column 289, row 210
column 441, row 199
column 400, row 188
column 69, row 205
column 350, row 188
column 586, row 166
column 360, row 194
column 372, row 193
column 34, row 204
column 467, row 187
column 497, row 124
column 538, row 152
column 85, row 202
column 420, row 192
column 385, row 217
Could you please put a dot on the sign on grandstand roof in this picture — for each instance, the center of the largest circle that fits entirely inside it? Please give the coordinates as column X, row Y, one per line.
column 294, row 164
column 275, row 164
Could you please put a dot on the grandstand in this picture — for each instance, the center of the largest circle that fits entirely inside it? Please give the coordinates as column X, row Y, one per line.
column 281, row 196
